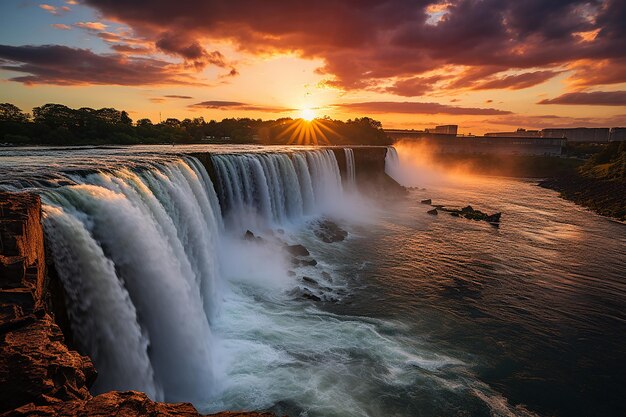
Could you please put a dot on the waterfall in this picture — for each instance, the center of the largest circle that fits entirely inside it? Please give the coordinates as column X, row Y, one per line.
column 117, row 344
column 392, row 162
column 137, row 254
column 350, row 168
column 264, row 189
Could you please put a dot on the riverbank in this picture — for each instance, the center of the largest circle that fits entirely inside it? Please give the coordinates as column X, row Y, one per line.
column 605, row 197
column 577, row 180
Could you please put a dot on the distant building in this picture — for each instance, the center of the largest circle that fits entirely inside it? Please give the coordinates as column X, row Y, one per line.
column 495, row 145
column 488, row 145
column 444, row 130
column 519, row 133
column 579, row 134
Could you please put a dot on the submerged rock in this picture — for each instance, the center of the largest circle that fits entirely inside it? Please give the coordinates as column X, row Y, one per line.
column 309, row 280
column 251, row 236
column 329, row 232
column 432, row 212
column 306, row 294
column 297, row 250
column 303, row 262
column 493, row 218
column 311, row 296
column 427, row 201
column 470, row 213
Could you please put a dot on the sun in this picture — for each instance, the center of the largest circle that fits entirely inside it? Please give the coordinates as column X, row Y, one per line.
column 307, row 114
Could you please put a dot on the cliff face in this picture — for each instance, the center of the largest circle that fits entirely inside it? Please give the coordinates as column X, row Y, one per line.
column 39, row 374
column 35, row 365
column 369, row 163
column 22, row 260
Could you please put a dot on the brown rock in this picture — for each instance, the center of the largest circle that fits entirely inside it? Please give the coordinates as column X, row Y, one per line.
column 329, row 232
column 126, row 404
column 297, row 250
column 36, row 366
column 22, row 256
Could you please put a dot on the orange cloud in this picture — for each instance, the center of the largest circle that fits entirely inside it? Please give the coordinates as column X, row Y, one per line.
column 415, row 108
column 593, row 98
column 97, row 26
column 61, row 26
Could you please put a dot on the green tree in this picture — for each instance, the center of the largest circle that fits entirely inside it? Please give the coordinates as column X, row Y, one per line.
column 12, row 113
column 144, row 123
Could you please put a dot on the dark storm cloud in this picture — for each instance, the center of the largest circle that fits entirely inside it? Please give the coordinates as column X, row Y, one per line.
column 416, row 108
column 62, row 65
column 595, row 98
column 190, row 50
column 364, row 42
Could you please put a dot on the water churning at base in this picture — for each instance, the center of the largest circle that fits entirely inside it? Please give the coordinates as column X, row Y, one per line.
column 138, row 252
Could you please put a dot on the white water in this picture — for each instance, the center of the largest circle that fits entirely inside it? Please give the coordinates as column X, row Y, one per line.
column 151, row 249
column 264, row 190
column 392, row 163
column 350, row 168
column 141, row 256
column 167, row 298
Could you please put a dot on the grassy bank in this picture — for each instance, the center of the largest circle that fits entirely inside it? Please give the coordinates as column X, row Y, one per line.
column 599, row 184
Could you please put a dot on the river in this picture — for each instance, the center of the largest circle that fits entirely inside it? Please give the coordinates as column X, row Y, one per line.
column 421, row 315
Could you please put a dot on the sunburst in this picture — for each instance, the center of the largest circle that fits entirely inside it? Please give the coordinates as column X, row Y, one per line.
column 305, row 132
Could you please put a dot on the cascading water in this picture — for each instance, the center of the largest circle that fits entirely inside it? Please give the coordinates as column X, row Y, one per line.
column 259, row 190
column 392, row 162
column 136, row 252
column 350, row 168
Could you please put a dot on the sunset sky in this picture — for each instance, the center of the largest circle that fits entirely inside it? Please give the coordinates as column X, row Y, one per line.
column 491, row 65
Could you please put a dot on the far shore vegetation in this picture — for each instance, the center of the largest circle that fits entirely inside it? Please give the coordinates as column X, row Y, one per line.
column 56, row 124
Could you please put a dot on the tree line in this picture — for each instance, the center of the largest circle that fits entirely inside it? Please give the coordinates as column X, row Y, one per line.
column 57, row 124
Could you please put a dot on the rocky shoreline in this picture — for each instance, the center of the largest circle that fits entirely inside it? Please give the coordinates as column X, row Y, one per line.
column 39, row 374
column 605, row 197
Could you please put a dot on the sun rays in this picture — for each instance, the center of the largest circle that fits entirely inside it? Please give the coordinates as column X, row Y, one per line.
column 305, row 131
